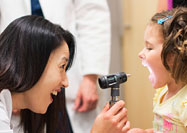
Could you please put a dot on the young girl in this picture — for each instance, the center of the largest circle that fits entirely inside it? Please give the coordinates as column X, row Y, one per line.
column 34, row 57
column 165, row 56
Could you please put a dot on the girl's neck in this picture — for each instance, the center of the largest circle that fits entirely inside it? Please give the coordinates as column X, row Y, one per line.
column 173, row 88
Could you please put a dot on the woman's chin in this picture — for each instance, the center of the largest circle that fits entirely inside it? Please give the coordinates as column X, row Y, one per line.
column 40, row 110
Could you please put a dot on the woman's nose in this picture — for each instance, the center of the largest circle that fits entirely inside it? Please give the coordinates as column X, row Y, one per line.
column 64, row 82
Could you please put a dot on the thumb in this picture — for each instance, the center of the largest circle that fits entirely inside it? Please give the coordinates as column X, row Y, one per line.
column 77, row 101
column 106, row 108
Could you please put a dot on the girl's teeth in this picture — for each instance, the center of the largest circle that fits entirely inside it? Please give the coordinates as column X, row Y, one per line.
column 144, row 64
column 54, row 93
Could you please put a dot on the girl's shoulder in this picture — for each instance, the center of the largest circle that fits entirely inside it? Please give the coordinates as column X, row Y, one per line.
column 184, row 107
column 183, row 97
column 158, row 93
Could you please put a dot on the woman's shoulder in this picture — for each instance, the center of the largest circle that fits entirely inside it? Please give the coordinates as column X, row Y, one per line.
column 6, row 99
column 5, row 93
column 5, row 111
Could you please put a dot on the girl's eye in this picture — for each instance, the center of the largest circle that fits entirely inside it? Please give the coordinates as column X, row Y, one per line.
column 149, row 48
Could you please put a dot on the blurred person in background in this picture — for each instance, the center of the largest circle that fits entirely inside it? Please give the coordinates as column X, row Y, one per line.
column 164, row 5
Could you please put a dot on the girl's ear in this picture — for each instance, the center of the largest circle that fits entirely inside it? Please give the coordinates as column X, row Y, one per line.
column 170, row 60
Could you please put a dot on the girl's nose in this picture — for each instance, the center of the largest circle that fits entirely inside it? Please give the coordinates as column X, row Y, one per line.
column 141, row 55
column 64, row 82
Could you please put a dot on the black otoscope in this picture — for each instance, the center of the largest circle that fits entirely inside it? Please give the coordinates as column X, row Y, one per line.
column 113, row 81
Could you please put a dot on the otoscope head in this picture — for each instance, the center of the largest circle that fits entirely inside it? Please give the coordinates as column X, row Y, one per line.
column 112, row 80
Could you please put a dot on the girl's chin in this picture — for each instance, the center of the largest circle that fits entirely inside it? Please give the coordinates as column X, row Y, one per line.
column 152, row 80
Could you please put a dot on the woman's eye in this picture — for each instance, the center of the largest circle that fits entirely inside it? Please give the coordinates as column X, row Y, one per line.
column 63, row 66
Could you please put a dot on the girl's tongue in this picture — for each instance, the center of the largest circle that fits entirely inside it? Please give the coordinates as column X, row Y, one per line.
column 151, row 76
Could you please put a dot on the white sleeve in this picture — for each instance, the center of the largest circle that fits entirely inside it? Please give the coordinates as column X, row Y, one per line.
column 6, row 131
column 4, row 121
column 94, row 35
column 4, row 114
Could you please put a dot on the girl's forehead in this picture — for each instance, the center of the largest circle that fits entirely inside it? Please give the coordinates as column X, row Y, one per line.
column 154, row 29
column 153, row 33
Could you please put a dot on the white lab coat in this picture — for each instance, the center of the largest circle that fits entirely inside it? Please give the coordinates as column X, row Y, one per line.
column 5, row 111
column 89, row 21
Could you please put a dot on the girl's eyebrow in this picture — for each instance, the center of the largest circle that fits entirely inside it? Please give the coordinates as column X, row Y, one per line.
column 147, row 42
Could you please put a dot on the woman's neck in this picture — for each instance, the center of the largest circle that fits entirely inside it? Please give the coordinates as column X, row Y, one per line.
column 18, row 101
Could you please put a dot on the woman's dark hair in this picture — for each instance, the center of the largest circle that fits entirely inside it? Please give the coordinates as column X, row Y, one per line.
column 175, row 41
column 25, row 47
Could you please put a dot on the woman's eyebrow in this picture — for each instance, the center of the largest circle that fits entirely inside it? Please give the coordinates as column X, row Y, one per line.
column 65, row 59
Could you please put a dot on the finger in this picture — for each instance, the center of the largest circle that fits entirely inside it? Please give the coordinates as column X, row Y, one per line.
column 126, row 127
column 84, row 107
column 121, row 114
column 116, row 107
column 93, row 105
column 77, row 102
column 122, row 123
column 88, row 105
column 149, row 130
column 106, row 108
